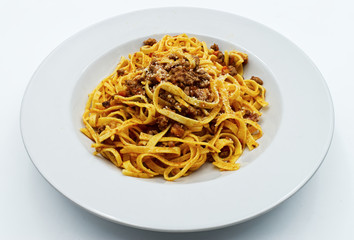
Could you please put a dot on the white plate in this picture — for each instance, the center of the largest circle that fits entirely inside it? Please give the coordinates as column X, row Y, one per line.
column 298, row 125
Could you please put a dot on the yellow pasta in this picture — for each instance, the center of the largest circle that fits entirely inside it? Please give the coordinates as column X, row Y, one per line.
column 173, row 106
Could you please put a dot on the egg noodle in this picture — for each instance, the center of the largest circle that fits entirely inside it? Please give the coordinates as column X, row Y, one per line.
column 117, row 122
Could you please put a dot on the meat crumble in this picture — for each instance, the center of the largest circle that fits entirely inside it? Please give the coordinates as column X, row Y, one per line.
column 220, row 58
column 150, row 41
column 257, row 80
column 215, row 47
column 106, row 104
column 252, row 116
column 120, row 72
column 162, row 122
column 177, row 130
column 135, row 87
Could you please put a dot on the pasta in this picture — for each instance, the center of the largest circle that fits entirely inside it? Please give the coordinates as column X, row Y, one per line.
column 173, row 106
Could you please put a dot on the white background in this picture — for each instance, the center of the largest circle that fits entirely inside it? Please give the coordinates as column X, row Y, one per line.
column 31, row 209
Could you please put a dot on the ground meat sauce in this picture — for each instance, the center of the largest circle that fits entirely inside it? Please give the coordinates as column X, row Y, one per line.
column 194, row 81
column 257, row 80
column 177, row 130
column 120, row 72
column 162, row 122
column 252, row 116
column 106, row 104
column 220, row 58
column 192, row 112
column 215, row 47
column 232, row 70
column 150, row 41
column 202, row 94
column 134, row 87
column 224, row 152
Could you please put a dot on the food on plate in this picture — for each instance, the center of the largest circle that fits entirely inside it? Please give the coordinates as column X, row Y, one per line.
column 173, row 106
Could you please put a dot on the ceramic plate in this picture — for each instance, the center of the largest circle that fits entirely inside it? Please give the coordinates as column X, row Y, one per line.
column 297, row 125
